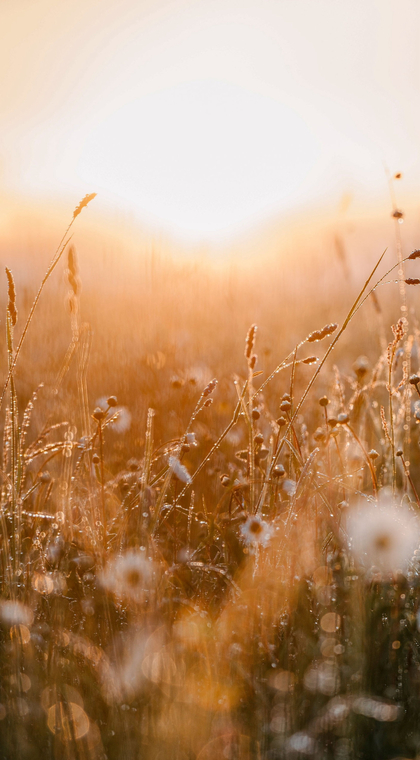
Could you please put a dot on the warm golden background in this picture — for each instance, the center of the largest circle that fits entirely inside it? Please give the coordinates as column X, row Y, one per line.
column 185, row 574
column 240, row 152
column 204, row 118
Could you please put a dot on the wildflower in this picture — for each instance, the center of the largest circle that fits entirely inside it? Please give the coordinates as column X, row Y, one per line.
column 15, row 613
column 256, row 531
column 323, row 678
column 302, row 743
column 179, row 470
column 121, row 416
column 361, row 366
column 337, row 710
column 123, row 678
column 129, row 576
column 383, row 535
column 198, row 375
column 373, row 708
column 289, row 487
column 122, row 420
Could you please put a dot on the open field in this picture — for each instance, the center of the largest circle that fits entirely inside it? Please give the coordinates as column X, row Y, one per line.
column 209, row 500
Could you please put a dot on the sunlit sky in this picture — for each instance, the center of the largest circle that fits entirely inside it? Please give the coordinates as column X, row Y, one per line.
column 203, row 117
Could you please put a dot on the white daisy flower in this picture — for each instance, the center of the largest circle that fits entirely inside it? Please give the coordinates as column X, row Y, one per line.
column 130, row 576
column 256, row 531
column 124, row 678
column 289, row 487
column 302, row 743
column 121, row 416
column 122, row 421
column 179, row 470
column 384, row 535
column 15, row 613
column 373, row 708
column 323, row 678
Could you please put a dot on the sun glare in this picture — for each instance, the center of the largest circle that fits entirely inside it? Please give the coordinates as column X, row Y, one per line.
column 203, row 157
column 202, row 119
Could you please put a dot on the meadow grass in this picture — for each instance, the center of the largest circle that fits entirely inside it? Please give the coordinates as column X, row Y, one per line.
column 209, row 538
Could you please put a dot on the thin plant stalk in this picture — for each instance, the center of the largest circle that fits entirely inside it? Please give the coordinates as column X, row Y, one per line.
column 56, row 258
column 332, row 345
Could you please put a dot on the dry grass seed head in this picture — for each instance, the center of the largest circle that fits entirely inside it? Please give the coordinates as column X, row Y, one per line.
column 250, row 340
column 83, row 203
column 320, row 334
column 11, row 306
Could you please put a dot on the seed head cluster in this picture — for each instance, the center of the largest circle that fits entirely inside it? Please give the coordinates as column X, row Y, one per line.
column 320, row 334
column 11, row 306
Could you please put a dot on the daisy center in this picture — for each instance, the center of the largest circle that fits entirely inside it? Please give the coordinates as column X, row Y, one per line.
column 255, row 527
column 133, row 578
column 383, row 542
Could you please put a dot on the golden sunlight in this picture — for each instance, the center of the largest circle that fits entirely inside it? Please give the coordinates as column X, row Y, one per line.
column 202, row 119
column 209, row 380
column 203, row 158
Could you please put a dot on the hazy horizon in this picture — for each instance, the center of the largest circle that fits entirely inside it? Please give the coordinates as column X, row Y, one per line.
column 205, row 121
